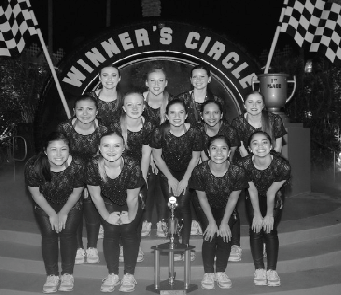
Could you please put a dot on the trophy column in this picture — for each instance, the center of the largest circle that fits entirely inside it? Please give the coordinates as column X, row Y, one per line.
column 172, row 286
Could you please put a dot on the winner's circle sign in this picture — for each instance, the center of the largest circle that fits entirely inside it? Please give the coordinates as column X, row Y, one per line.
column 176, row 46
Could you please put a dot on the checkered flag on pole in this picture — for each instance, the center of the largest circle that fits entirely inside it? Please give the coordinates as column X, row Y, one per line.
column 314, row 22
column 16, row 26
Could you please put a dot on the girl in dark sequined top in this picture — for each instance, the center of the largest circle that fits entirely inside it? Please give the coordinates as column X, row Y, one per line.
column 267, row 174
column 108, row 97
column 200, row 78
column 114, row 182
column 218, row 184
column 177, row 146
column 84, row 131
column 55, row 180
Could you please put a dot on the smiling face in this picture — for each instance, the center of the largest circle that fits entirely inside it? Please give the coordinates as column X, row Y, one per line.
column 109, row 77
column 85, row 111
column 133, row 105
column 200, row 79
column 176, row 114
column 57, row 152
column 111, row 147
column 260, row 145
column 211, row 114
column 254, row 104
column 219, row 151
column 156, row 82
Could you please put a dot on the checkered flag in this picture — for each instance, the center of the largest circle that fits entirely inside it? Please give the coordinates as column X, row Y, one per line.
column 314, row 22
column 16, row 26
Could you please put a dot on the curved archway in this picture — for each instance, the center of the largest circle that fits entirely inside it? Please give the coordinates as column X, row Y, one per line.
column 176, row 45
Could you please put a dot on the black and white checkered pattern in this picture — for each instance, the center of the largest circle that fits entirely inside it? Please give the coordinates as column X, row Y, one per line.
column 315, row 22
column 16, row 26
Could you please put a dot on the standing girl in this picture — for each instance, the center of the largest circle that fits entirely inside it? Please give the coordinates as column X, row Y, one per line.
column 193, row 99
column 267, row 174
column 108, row 97
column 114, row 182
column 177, row 146
column 55, row 180
column 254, row 119
column 137, row 133
column 84, row 132
column 156, row 100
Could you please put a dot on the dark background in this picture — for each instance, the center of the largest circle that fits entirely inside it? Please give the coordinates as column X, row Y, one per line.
column 249, row 23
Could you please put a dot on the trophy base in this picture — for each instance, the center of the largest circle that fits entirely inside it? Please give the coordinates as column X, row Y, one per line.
column 178, row 288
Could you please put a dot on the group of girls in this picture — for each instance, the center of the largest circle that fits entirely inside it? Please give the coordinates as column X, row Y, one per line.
column 109, row 159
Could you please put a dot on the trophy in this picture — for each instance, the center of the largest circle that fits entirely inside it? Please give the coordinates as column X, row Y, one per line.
column 274, row 89
column 172, row 228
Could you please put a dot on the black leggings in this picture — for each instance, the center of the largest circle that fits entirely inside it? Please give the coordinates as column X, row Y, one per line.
column 183, row 211
column 126, row 234
column 67, row 237
column 270, row 239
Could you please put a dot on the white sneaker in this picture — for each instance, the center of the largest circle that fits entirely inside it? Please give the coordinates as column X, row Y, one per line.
column 207, row 281
column 273, row 278
column 51, row 284
column 235, row 254
column 223, row 280
column 140, row 256
column 192, row 256
column 92, row 255
column 101, row 232
column 146, row 228
column 128, row 283
column 260, row 277
column 195, row 228
column 66, row 282
column 177, row 257
column 109, row 283
column 80, row 256
column 159, row 231
column 121, row 259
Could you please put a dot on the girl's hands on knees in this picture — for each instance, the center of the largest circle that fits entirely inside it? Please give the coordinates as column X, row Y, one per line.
column 210, row 231
column 54, row 222
column 124, row 218
column 268, row 223
column 173, row 185
column 114, row 218
column 257, row 223
column 225, row 232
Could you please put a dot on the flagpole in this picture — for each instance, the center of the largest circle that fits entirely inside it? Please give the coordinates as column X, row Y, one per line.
column 49, row 61
column 274, row 41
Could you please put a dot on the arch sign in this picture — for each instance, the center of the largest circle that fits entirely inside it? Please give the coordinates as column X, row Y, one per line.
column 179, row 45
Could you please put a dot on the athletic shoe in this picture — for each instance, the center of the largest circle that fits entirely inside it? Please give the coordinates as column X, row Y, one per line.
column 181, row 257
column 92, row 255
column 273, row 278
column 140, row 256
column 159, row 231
column 80, row 256
column 121, row 259
column 146, row 227
column 264, row 251
column 66, row 282
column 207, row 281
column 109, row 283
column 101, row 232
column 196, row 229
column 128, row 283
column 177, row 257
column 260, row 277
column 235, row 254
column 223, row 280
column 51, row 284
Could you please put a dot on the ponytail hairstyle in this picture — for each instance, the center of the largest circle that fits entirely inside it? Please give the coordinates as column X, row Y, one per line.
column 209, row 94
column 266, row 125
column 101, row 167
column 41, row 164
column 123, row 117
column 165, row 95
